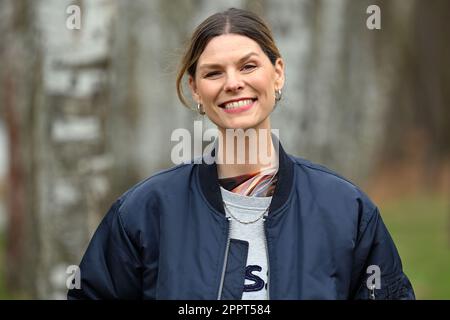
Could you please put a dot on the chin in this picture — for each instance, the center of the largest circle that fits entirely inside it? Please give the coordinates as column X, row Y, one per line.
column 243, row 123
column 239, row 123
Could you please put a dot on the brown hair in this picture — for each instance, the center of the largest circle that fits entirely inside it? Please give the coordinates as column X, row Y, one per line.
column 235, row 21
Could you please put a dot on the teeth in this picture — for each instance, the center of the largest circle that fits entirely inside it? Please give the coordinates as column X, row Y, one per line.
column 238, row 104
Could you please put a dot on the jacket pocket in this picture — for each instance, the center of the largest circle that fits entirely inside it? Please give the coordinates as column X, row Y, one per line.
column 233, row 283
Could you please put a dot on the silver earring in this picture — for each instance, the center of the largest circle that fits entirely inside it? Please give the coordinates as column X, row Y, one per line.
column 200, row 109
column 278, row 95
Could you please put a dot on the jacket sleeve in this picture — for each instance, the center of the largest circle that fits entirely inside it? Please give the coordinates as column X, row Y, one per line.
column 111, row 267
column 377, row 263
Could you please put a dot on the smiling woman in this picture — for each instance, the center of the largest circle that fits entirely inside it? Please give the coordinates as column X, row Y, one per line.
column 289, row 229
column 235, row 82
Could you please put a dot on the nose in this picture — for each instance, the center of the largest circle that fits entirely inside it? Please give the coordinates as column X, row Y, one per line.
column 233, row 82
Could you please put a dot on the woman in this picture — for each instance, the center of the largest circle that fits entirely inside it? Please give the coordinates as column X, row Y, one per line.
column 282, row 228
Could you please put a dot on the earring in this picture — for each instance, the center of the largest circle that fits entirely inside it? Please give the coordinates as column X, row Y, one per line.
column 200, row 109
column 278, row 95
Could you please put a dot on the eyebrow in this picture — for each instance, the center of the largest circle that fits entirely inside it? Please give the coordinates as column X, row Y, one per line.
column 215, row 65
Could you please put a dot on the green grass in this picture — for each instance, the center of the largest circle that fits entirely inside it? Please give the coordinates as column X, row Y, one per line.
column 420, row 228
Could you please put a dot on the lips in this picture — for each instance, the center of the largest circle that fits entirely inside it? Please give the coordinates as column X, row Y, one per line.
column 240, row 106
column 237, row 103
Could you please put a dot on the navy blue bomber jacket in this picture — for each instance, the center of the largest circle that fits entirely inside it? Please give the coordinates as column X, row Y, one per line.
column 168, row 238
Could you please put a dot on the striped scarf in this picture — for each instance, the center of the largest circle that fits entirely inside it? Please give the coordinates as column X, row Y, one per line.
column 258, row 184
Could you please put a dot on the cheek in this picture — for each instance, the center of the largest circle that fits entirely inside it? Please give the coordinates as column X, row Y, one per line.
column 264, row 84
column 208, row 91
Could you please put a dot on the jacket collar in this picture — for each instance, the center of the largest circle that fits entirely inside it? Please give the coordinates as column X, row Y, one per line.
column 209, row 180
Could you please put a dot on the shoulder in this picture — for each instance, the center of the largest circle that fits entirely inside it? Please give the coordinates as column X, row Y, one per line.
column 329, row 187
column 148, row 192
column 320, row 172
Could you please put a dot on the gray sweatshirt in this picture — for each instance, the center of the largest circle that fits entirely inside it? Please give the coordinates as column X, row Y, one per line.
column 249, row 209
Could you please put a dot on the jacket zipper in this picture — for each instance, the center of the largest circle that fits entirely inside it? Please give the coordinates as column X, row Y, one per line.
column 268, row 260
column 219, row 295
column 371, row 292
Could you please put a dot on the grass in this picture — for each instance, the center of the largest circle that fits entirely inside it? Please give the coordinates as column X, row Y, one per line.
column 420, row 228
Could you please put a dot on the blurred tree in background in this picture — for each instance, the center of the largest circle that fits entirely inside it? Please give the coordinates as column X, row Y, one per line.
column 90, row 112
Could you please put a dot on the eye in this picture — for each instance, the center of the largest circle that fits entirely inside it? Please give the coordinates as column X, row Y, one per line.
column 212, row 74
column 248, row 67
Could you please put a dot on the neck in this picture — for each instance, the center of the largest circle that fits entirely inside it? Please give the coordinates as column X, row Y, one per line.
column 245, row 151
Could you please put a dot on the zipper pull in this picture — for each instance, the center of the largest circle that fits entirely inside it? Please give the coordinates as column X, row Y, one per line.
column 372, row 292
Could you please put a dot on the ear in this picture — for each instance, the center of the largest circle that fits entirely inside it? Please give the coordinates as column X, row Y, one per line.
column 279, row 73
column 193, row 88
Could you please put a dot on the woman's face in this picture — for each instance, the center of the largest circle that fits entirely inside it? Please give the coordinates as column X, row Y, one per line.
column 236, row 82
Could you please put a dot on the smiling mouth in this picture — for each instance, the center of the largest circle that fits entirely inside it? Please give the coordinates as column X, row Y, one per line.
column 237, row 104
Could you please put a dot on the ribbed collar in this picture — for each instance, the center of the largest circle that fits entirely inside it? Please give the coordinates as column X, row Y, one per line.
column 209, row 181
